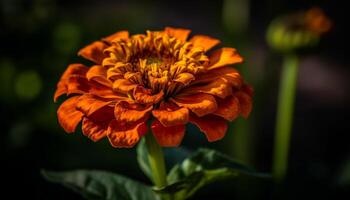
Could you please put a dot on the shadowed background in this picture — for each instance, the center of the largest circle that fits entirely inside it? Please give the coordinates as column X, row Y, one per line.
column 39, row 38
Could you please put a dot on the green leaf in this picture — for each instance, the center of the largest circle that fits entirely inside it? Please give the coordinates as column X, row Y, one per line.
column 142, row 158
column 100, row 185
column 202, row 168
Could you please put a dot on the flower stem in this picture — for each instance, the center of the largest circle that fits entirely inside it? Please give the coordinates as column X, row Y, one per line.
column 156, row 161
column 285, row 115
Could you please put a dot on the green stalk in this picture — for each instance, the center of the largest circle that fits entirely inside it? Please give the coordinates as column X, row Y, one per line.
column 284, row 116
column 156, row 161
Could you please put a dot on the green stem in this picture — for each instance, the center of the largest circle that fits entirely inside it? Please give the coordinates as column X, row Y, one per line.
column 285, row 115
column 156, row 161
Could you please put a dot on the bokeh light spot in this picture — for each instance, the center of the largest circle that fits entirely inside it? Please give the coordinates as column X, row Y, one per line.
column 66, row 37
column 28, row 85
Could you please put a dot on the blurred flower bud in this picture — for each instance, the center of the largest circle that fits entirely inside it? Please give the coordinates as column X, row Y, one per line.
column 299, row 30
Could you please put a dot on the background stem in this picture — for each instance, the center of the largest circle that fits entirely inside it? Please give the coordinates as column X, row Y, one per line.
column 285, row 115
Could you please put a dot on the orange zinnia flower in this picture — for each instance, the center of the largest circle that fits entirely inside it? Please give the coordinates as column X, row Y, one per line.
column 159, row 77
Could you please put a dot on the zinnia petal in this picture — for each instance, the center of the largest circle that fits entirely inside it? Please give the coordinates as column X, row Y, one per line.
column 130, row 112
column 223, row 57
column 123, row 86
column 228, row 108
column 178, row 33
column 88, row 104
column 201, row 104
column 106, row 92
column 219, row 87
column 245, row 102
column 118, row 35
column 229, row 74
column 125, row 134
column 168, row 136
column 212, row 126
column 171, row 115
column 95, row 130
column 144, row 96
column 93, row 52
column 98, row 73
column 204, row 41
column 78, row 70
column 184, row 78
column 68, row 116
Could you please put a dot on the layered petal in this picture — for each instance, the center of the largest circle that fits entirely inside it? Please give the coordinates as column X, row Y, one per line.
column 93, row 129
column 219, row 87
column 245, row 103
column 95, row 125
column 68, row 116
column 125, row 135
column 123, row 86
column 170, row 136
column 94, row 52
column 229, row 74
column 201, row 104
column 106, row 92
column 178, row 33
column 118, row 35
column 144, row 96
column 88, row 104
column 204, row 41
column 73, row 70
column 212, row 126
column 223, row 57
column 131, row 112
column 77, row 85
column 228, row 108
column 184, row 78
column 98, row 73
column 171, row 115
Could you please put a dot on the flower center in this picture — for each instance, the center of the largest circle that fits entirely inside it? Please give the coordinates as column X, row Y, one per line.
column 156, row 61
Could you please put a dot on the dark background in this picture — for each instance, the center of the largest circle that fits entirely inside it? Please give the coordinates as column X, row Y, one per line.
column 39, row 38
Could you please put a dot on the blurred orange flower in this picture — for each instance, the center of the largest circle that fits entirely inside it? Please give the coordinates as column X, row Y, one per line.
column 316, row 21
column 159, row 77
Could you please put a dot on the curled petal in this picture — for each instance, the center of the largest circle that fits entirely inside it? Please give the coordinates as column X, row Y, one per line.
column 125, row 135
column 114, row 74
column 219, row 87
column 99, row 74
column 201, row 104
column 131, row 112
column 229, row 74
column 68, row 116
column 73, row 70
column 118, row 35
column 168, row 136
column 184, row 78
column 204, row 41
column 245, row 102
column 123, row 86
column 212, row 126
column 178, row 33
column 93, row 52
column 95, row 130
column 144, row 96
column 223, row 57
column 228, row 108
column 171, row 115
column 88, row 104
